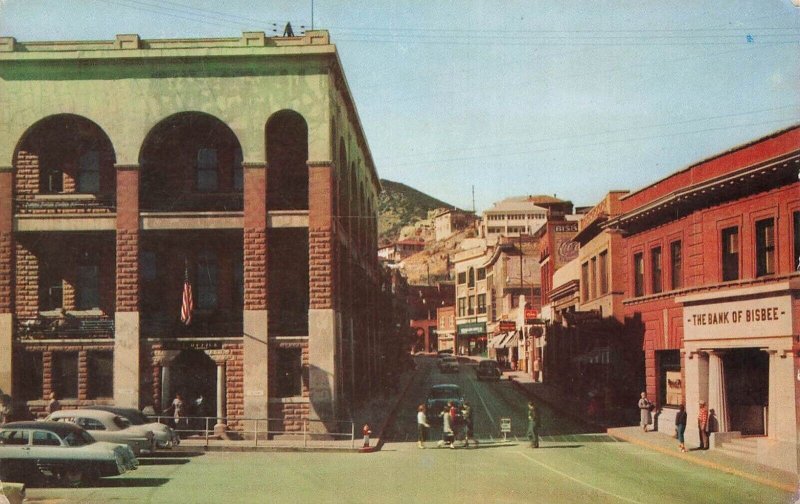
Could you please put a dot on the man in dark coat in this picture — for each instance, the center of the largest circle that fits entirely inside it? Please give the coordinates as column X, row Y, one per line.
column 534, row 422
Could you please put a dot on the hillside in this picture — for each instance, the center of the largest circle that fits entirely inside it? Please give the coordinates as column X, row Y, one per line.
column 400, row 205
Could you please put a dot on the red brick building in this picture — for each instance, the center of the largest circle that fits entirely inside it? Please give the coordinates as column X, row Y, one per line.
column 238, row 164
column 711, row 261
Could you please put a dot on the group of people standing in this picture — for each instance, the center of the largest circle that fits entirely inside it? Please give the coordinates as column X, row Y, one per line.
column 453, row 421
column 681, row 420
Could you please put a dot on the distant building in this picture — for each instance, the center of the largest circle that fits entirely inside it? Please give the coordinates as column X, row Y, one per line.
column 423, row 303
column 399, row 250
column 446, row 328
column 449, row 221
column 521, row 215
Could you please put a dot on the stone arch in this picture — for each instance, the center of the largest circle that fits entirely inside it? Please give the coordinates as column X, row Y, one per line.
column 64, row 153
column 286, row 138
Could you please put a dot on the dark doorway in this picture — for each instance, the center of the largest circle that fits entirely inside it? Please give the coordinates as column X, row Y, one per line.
column 747, row 388
column 194, row 375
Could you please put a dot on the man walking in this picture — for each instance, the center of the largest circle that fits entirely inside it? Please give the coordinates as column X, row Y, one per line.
column 466, row 418
column 702, row 425
column 534, row 421
column 422, row 426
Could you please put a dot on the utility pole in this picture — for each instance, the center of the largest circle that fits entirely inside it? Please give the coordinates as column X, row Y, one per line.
column 312, row 14
column 473, row 199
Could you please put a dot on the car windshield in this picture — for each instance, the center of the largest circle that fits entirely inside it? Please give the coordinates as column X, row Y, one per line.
column 122, row 423
column 78, row 438
column 444, row 393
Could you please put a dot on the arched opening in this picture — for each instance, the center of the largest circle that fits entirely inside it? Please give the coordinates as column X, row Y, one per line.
column 191, row 161
column 194, row 376
column 64, row 154
column 287, row 157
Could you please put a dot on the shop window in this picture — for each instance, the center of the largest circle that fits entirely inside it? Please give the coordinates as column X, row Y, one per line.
column 730, row 254
column 656, row 270
column 481, row 303
column 765, row 247
column 462, row 307
column 602, row 263
column 462, row 277
column 289, row 371
column 669, row 378
column 238, row 171
column 676, row 265
column 89, row 172
column 30, row 377
column 585, row 281
column 101, row 374
column 207, row 165
column 207, row 281
column 65, row 374
column 638, row 274
column 51, row 290
column 796, row 231
column 88, row 291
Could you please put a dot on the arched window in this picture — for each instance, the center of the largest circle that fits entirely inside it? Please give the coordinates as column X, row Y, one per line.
column 287, row 158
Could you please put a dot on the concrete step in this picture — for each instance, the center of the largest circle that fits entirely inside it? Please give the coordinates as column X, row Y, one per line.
column 740, row 447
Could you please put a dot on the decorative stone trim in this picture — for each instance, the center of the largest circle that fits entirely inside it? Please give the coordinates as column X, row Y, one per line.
column 319, row 163
column 6, row 168
column 254, row 165
column 127, row 167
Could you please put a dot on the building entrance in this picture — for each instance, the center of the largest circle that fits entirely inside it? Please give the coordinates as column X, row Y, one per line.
column 195, row 378
column 747, row 388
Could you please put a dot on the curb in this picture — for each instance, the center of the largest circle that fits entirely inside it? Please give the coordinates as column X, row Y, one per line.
column 705, row 463
column 390, row 418
column 242, row 449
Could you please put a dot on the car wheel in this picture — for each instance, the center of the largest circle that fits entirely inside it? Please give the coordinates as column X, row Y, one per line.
column 71, row 476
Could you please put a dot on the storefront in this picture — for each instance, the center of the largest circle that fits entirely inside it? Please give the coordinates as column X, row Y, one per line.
column 471, row 338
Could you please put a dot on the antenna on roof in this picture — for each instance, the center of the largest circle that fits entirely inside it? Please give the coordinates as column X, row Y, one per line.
column 473, row 198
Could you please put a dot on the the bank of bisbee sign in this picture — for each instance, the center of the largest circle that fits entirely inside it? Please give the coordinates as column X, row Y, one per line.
column 752, row 318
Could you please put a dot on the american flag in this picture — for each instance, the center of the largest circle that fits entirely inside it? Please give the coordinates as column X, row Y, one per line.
column 187, row 304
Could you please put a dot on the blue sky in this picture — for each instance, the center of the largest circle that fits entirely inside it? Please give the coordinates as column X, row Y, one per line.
column 572, row 98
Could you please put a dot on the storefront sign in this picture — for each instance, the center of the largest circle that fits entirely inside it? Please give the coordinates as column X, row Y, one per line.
column 752, row 318
column 472, row 328
column 176, row 344
column 507, row 325
column 530, row 314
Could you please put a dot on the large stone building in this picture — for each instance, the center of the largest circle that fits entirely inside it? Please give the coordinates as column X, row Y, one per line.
column 128, row 166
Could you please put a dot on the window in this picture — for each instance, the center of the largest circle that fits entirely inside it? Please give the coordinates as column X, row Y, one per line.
column 88, row 291
column 670, row 390
column 207, row 170
column 676, row 265
column 796, row 231
column 44, row 438
column 593, row 282
column 30, row 374
column 638, row 274
column 471, row 305
column 585, row 281
column 100, row 366
column 289, row 371
column 730, row 254
column 65, row 374
column 14, row 437
column 90, row 424
column 765, row 247
column 603, row 272
column 462, row 277
column 462, row 307
column 238, row 171
column 52, row 181
column 481, row 273
column 481, row 303
column 471, row 279
column 89, row 172
column 207, row 281
column 50, row 288
column 149, row 270
column 655, row 261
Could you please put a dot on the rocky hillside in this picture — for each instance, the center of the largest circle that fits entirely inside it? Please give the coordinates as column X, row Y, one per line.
column 400, row 205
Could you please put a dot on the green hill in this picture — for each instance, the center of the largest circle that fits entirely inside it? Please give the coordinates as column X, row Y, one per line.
column 400, row 205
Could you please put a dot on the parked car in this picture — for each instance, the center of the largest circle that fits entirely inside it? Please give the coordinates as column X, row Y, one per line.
column 439, row 396
column 107, row 426
column 13, row 492
column 30, row 451
column 448, row 364
column 489, row 370
column 165, row 436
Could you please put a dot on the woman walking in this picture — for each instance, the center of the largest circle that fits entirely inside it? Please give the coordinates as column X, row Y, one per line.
column 422, row 426
column 645, row 418
column 680, row 426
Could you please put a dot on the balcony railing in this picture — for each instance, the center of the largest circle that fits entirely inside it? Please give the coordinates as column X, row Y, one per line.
column 59, row 203
column 195, row 202
column 65, row 327
column 203, row 325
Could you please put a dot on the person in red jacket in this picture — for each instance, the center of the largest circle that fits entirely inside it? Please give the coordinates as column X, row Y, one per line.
column 702, row 425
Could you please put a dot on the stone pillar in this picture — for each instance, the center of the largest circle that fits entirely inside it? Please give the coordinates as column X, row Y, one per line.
column 255, row 317
column 220, row 425
column 717, row 394
column 126, row 317
column 6, row 275
column 166, row 396
column 321, row 315
column 696, row 365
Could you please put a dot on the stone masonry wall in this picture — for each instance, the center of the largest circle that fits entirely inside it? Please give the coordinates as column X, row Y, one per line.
column 26, row 292
column 255, row 269
column 320, row 251
column 127, row 297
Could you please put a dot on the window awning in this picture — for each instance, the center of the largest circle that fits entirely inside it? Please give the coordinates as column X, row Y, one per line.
column 497, row 340
column 512, row 340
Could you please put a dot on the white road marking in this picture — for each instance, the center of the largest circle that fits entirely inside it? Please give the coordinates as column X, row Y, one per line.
column 577, row 480
column 491, row 418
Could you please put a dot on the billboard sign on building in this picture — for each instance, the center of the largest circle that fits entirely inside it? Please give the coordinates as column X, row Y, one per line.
column 472, row 329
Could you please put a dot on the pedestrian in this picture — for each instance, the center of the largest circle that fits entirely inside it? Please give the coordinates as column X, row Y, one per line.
column 702, row 425
column 447, row 428
column 645, row 406
column 466, row 418
column 422, row 426
column 680, row 426
column 178, row 411
column 5, row 408
column 365, row 431
column 53, row 405
column 534, row 422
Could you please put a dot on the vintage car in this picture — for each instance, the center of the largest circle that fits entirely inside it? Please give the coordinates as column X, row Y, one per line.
column 164, row 435
column 439, row 396
column 31, row 451
column 488, row 369
column 107, row 426
column 448, row 364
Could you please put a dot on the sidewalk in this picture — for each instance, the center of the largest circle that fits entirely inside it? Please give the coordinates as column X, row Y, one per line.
column 656, row 441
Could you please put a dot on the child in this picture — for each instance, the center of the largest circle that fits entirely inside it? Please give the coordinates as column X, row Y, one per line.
column 366, row 432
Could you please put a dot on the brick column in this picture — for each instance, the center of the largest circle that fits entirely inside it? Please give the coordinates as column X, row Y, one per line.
column 321, row 315
column 126, row 316
column 255, row 317
column 6, row 277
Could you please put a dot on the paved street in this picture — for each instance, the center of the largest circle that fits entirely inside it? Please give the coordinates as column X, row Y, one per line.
column 571, row 466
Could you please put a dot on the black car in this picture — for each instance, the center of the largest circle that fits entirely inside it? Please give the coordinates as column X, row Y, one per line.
column 489, row 370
